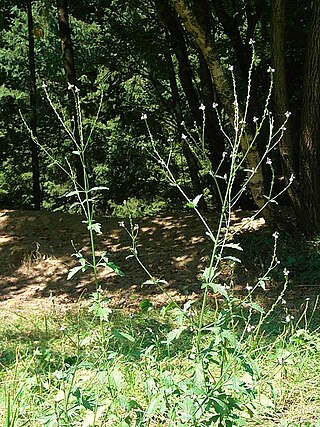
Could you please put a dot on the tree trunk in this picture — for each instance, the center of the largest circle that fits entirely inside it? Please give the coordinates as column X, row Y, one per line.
column 309, row 217
column 71, row 77
column 206, row 45
column 188, row 154
column 33, row 112
column 280, row 97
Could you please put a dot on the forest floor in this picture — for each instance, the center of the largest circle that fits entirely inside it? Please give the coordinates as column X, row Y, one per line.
column 36, row 249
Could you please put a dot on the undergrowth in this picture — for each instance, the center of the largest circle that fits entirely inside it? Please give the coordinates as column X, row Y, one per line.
column 70, row 369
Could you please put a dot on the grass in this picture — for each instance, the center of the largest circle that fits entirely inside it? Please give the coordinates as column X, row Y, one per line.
column 92, row 368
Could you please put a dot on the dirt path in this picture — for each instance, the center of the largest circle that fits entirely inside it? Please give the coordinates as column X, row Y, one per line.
column 35, row 256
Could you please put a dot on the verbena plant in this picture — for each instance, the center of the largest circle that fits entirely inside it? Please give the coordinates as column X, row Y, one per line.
column 220, row 384
column 83, row 192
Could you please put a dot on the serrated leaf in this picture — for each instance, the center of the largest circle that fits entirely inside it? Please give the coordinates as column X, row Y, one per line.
column 256, row 307
column 74, row 271
column 229, row 336
column 175, row 334
column 95, row 226
column 115, row 268
column 216, row 287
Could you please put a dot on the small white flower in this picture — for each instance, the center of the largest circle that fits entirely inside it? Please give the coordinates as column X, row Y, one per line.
column 76, row 89
column 251, row 41
column 283, row 128
column 231, row 67
column 289, row 318
column 275, row 235
column 308, row 299
column 214, row 105
column 248, row 287
column 269, row 161
column 44, row 85
column 287, row 114
column 283, row 301
column 144, row 116
column 70, row 86
column 136, row 227
column 224, row 154
column 182, row 123
column 255, row 119
column 202, row 107
column 292, row 177
column 286, row 272
column 183, row 136
column 121, row 224
column 249, row 328
column 270, row 70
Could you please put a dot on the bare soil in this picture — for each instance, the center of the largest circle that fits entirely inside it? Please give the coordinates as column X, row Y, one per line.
column 36, row 249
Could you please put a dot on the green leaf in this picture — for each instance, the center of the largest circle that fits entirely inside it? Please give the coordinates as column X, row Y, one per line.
column 73, row 193
column 233, row 246
column 98, row 188
column 145, row 305
column 196, row 200
column 75, row 270
column 123, row 335
column 256, row 307
column 115, row 268
column 232, row 258
column 116, row 379
column 216, row 287
column 95, row 226
column 175, row 334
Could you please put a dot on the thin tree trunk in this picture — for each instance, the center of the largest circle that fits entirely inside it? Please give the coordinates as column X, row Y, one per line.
column 71, row 76
column 310, row 129
column 224, row 90
column 33, row 112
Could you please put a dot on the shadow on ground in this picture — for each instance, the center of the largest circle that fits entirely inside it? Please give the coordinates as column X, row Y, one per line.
column 36, row 249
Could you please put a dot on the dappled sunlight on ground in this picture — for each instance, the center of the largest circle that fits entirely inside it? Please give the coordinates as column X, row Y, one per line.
column 36, row 249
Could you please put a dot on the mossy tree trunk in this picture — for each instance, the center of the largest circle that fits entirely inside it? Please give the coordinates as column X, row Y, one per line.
column 224, row 90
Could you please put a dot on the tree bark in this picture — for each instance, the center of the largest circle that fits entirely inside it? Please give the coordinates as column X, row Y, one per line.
column 71, row 77
column 280, row 96
column 231, row 29
column 310, row 129
column 33, row 112
column 224, row 90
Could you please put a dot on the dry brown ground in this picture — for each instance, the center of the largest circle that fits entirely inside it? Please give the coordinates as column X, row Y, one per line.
column 35, row 256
